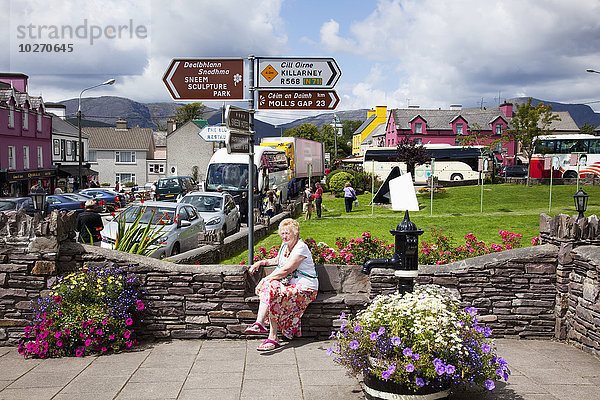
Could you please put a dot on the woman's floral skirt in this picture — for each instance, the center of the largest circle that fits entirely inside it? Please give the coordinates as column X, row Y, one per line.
column 287, row 305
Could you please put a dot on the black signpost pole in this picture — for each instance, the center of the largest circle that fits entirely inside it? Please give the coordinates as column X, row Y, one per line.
column 251, row 164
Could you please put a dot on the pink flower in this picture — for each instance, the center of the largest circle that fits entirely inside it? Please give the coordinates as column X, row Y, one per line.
column 59, row 343
column 78, row 352
column 127, row 334
column 88, row 342
column 129, row 344
column 99, row 331
column 104, row 349
column 104, row 321
column 128, row 321
column 111, row 337
column 139, row 305
column 57, row 335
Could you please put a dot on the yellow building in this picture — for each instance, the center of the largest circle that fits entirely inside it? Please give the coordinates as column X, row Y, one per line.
column 374, row 119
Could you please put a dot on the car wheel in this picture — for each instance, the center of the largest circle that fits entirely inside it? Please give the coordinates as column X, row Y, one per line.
column 456, row 177
column 570, row 175
column 175, row 250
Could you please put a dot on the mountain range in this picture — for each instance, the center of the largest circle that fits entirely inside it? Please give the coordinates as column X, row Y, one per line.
column 105, row 110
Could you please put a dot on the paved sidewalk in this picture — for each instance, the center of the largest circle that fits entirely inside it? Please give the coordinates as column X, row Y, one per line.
column 233, row 369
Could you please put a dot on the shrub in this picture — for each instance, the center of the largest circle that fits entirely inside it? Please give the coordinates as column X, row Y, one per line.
column 337, row 171
column 88, row 311
column 105, row 184
column 129, row 184
column 336, row 185
column 363, row 182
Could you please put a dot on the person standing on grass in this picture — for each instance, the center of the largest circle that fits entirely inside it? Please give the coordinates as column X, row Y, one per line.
column 349, row 196
column 318, row 198
column 283, row 299
column 308, row 203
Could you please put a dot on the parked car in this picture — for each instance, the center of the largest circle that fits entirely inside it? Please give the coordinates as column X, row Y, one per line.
column 82, row 197
column 181, row 226
column 108, row 199
column 174, row 187
column 13, row 204
column 515, row 171
column 218, row 210
column 61, row 203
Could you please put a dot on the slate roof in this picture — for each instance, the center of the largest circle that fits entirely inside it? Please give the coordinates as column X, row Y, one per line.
column 160, row 138
column 110, row 138
column 20, row 98
column 442, row 119
column 364, row 124
column 63, row 127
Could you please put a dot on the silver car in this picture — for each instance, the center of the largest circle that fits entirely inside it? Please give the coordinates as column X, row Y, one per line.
column 218, row 210
column 182, row 226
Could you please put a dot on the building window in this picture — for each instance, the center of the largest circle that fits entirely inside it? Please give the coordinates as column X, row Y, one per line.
column 459, row 129
column 125, row 157
column 25, row 157
column 498, row 129
column 69, row 145
column 124, row 178
column 39, row 122
column 56, row 146
column 92, row 156
column 25, row 115
column 40, row 157
column 418, row 141
column 12, row 164
column 418, row 127
column 156, row 168
column 11, row 116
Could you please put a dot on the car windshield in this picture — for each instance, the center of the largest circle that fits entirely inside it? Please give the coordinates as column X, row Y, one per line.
column 168, row 183
column 76, row 197
column 155, row 215
column 229, row 176
column 6, row 205
column 204, row 203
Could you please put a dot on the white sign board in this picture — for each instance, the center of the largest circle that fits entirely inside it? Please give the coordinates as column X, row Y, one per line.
column 297, row 73
column 402, row 193
column 213, row 133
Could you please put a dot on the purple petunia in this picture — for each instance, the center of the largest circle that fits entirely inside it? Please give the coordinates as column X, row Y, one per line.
column 396, row 341
column 386, row 375
column 407, row 352
column 450, row 369
column 381, row 331
column 489, row 384
column 440, row 369
column 487, row 332
column 419, row 382
column 354, row 345
column 329, row 351
column 373, row 336
column 471, row 310
column 343, row 315
column 357, row 329
column 409, row 367
column 416, row 356
column 486, row 348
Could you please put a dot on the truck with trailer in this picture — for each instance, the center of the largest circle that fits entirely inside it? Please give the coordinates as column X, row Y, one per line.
column 306, row 160
column 230, row 172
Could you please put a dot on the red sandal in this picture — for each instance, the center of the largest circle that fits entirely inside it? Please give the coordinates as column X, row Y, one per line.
column 256, row 329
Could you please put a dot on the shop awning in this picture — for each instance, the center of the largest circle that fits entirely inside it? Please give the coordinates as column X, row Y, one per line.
column 35, row 174
column 73, row 170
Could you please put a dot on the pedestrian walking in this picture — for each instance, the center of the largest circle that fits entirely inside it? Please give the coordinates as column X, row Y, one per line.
column 318, row 198
column 349, row 196
column 89, row 224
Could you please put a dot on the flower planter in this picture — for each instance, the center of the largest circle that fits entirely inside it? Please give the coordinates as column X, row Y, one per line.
column 376, row 389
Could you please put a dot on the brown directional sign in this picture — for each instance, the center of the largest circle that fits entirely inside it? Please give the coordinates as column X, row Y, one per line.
column 205, row 79
column 297, row 99
column 237, row 143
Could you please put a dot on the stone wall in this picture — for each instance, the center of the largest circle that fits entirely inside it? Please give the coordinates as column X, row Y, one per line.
column 548, row 291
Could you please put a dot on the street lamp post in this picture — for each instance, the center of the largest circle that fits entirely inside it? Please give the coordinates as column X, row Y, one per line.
column 80, row 144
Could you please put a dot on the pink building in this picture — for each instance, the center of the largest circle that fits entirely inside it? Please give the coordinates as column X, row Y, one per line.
column 449, row 126
column 25, row 139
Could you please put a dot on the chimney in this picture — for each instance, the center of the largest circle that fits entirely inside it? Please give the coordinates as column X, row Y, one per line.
column 121, row 125
column 17, row 80
column 507, row 109
column 455, row 106
column 171, row 125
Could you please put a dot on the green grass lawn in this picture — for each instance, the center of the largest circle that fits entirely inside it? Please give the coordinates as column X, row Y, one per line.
column 515, row 208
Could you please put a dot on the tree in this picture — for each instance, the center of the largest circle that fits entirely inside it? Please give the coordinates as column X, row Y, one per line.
column 304, row 131
column 485, row 141
column 411, row 154
column 189, row 112
column 587, row 129
column 528, row 123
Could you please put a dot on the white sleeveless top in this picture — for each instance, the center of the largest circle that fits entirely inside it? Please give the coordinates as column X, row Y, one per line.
column 306, row 273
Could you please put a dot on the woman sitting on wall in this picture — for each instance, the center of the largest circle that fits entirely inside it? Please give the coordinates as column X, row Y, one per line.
column 288, row 290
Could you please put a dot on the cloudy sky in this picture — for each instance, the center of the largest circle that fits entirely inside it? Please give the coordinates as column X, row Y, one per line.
column 431, row 53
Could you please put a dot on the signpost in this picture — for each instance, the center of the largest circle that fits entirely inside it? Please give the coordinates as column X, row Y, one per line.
column 238, row 119
column 294, row 73
column 237, row 143
column 205, row 79
column 297, row 99
column 214, row 133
